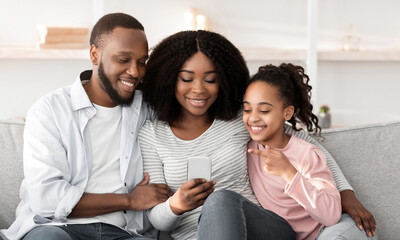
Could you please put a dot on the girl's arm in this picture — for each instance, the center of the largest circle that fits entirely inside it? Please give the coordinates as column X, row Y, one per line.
column 350, row 204
column 340, row 180
column 313, row 187
column 310, row 183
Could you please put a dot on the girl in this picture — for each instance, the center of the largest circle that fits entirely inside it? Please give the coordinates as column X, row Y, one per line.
column 290, row 176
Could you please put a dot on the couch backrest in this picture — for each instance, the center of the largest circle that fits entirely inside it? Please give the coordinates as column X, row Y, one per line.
column 369, row 157
column 11, row 173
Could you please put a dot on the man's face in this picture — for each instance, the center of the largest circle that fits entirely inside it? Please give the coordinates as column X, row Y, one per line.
column 110, row 90
column 122, row 64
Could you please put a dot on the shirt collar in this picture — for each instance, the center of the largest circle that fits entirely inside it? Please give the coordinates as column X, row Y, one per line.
column 260, row 147
column 79, row 97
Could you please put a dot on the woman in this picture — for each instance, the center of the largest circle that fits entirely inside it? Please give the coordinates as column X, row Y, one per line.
column 195, row 82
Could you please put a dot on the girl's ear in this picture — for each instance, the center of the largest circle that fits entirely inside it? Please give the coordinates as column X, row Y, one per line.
column 288, row 112
column 94, row 55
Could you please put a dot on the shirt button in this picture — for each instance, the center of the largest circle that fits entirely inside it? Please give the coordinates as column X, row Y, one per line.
column 131, row 132
column 124, row 211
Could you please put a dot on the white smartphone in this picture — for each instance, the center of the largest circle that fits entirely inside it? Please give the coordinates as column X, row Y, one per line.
column 199, row 167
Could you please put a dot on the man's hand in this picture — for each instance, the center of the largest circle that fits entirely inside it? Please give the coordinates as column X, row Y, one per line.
column 358, row 212
column 145, row 195
column 191, row 195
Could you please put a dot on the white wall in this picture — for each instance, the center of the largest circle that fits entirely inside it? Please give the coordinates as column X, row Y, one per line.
column 18, row 18
column 24, row 81
column 357, row 92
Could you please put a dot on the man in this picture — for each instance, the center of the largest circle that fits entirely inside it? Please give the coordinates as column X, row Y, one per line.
column 82, row 162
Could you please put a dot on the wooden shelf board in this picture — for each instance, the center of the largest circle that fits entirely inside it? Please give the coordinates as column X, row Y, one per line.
column 250, row 54
column 265, row 54
column 271, row 54
column 367, row 55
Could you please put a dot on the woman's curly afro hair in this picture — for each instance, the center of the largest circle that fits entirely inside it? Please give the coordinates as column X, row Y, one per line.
column 166, row 61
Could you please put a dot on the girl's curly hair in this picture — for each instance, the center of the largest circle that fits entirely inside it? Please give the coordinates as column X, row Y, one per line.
column 169, row 55
column 294, row 90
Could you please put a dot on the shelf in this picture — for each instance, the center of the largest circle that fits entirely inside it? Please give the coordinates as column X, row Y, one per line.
column 34, row 53
column 367, row 55
column 273, row 54
column 250, row 54
column 266, row 54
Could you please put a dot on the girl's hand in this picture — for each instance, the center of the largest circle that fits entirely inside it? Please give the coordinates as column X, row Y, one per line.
column 276, row 163
column 191, row 195
column 358, row 212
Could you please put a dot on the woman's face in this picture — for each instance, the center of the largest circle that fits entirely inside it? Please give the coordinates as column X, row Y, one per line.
column 197, row 86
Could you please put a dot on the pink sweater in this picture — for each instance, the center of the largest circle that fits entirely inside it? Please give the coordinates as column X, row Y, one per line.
column 310, row 201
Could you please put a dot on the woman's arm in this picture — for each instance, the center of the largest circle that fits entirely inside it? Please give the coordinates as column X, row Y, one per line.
column 160, row 216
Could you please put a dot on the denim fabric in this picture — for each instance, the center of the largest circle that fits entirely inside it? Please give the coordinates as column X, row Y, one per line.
column 80, row 232
column 345, row 229
column 228, row 215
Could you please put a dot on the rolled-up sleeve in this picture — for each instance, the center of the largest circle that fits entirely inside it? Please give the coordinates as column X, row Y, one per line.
column 160, row 216
column 46, row 168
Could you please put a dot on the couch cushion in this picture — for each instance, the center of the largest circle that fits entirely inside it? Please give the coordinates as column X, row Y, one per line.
column 369, row 157
column 11, row 172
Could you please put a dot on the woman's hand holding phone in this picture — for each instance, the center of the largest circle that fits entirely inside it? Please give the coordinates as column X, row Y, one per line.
column 191, row 195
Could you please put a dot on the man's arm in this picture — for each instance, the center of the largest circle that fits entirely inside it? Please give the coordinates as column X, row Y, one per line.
column 143, row 196
column 46, row 168
column 49, row 176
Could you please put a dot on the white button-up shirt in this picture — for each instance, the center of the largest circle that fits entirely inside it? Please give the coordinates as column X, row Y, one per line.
column 57, row 158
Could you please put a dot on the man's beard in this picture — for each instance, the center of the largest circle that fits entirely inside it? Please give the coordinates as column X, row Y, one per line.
column 112, row 93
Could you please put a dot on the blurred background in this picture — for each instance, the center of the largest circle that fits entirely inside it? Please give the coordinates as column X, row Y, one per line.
column 350, row 48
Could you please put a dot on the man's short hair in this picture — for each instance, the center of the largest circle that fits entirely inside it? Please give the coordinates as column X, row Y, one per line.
column 108, row 23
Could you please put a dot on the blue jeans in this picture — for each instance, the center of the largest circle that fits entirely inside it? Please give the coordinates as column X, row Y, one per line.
column 80, row 231
column 229, row 215
column 346, row 228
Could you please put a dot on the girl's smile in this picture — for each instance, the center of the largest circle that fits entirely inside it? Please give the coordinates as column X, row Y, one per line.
column 264, row 114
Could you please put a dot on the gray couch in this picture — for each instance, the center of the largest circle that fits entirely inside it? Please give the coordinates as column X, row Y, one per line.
column 368, row 155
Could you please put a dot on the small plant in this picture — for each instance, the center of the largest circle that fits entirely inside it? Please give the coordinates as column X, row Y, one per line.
column 324, row 109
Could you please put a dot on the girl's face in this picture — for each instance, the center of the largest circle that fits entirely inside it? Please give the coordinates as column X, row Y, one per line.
column 197, row 86
column 264, row 113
